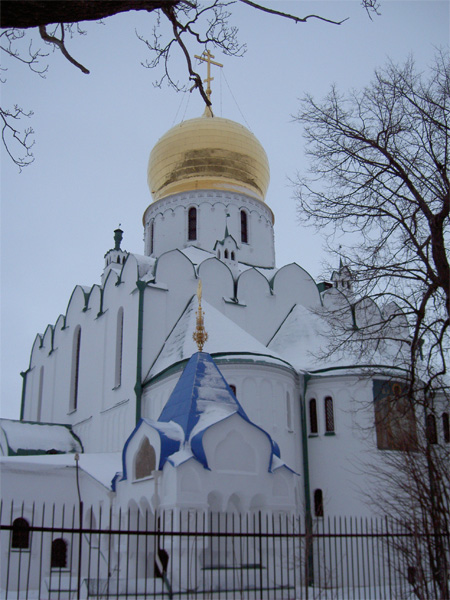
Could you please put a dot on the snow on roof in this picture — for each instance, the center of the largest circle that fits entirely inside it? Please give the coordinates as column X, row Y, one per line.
column 201, row 395
column 269, row 274
column 201, row 399
column 32, row 438
column 224, row 337
column 171, row 429
column 145, row 264
column 180, row 457
column 197, row 255
column 304, row 338
column 100, row 466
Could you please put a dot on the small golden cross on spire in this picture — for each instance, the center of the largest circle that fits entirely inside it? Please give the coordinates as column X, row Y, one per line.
column 206, row 57
column 200, row 336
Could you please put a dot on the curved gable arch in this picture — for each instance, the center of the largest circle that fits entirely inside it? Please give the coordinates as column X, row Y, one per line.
column 252, row 283
column 47, row 339
column 366, row 312
column 168, row 261
column 95, row 299
column 129, row 272
column 37, row 345
column 296, row 286
column 217, row 280
column 109, row 291
column 395, row 319
column 76, row 305
column 58, row 331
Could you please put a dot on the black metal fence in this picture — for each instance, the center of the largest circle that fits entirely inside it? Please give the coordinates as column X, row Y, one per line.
column 62, row 552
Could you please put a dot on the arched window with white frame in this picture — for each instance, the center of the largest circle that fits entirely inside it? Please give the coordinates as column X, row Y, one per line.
column 244, row 227
column 192, row 223
column 289, row 412
column 40, row 394
column 20, row 538
column 152, row 235
column 329, row 414
column 58, row 558
column 75, row 373
column 313, row 424
column 446, row 427
column 145, row 460
column 318, row 503
column 431, row 429
column 119, row 349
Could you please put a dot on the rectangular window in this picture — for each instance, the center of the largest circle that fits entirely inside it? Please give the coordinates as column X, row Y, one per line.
column 395, row 421
column 329, row 415
column 313, row 426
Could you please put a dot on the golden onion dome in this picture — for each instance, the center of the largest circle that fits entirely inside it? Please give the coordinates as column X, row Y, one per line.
column 208, row 153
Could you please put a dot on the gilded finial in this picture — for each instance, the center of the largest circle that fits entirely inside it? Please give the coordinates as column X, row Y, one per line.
column 206, row 57
column 200, row 336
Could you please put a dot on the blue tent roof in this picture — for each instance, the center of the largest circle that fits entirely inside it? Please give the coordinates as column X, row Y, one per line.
column 200, row 399
column 201, row 388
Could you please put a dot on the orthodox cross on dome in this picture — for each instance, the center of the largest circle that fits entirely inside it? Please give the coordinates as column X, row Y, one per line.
column 206, row 57
column 200, row 336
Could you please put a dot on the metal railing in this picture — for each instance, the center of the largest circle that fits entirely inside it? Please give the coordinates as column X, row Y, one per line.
column 58, row 552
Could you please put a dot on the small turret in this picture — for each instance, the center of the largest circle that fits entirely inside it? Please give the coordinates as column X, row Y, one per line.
column 116, row 257
column 342, row 278
column 227, row 250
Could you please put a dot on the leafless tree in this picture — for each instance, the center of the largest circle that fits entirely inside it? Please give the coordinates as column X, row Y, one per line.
column 413, row 489
column 206, row 24
column 379, row 181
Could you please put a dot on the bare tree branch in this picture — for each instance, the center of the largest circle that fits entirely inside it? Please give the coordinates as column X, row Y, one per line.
column 59, row 43
column 294, row 18
column 12, row 137
column 206, row 24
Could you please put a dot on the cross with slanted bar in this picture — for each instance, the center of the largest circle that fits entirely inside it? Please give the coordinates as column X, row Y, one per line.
column 206, row 57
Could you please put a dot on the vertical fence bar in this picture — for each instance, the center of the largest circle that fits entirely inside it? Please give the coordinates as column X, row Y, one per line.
column 108, row 563
column 88, row 537
column 204, row 538
column 269, row 574
column 388, row 556
column 234, row 558
column 29, row 557
column 72, row 546
column 119, row 540
column 146, row 567
column 196, row 555
column 8, row 568
column 20, row 559
column 368, row 556
column 179, row 550
column 41, row 551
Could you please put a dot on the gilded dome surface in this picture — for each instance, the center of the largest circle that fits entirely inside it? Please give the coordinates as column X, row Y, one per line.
column 208, row 153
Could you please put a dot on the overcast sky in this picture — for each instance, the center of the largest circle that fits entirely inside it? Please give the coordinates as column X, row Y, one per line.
column 94, row 134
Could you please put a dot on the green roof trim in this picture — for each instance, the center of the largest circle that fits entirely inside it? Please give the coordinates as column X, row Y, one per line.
column 221, row 358
column 358, row 367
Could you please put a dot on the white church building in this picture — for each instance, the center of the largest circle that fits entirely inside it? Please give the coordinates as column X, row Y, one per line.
column 122, row 407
